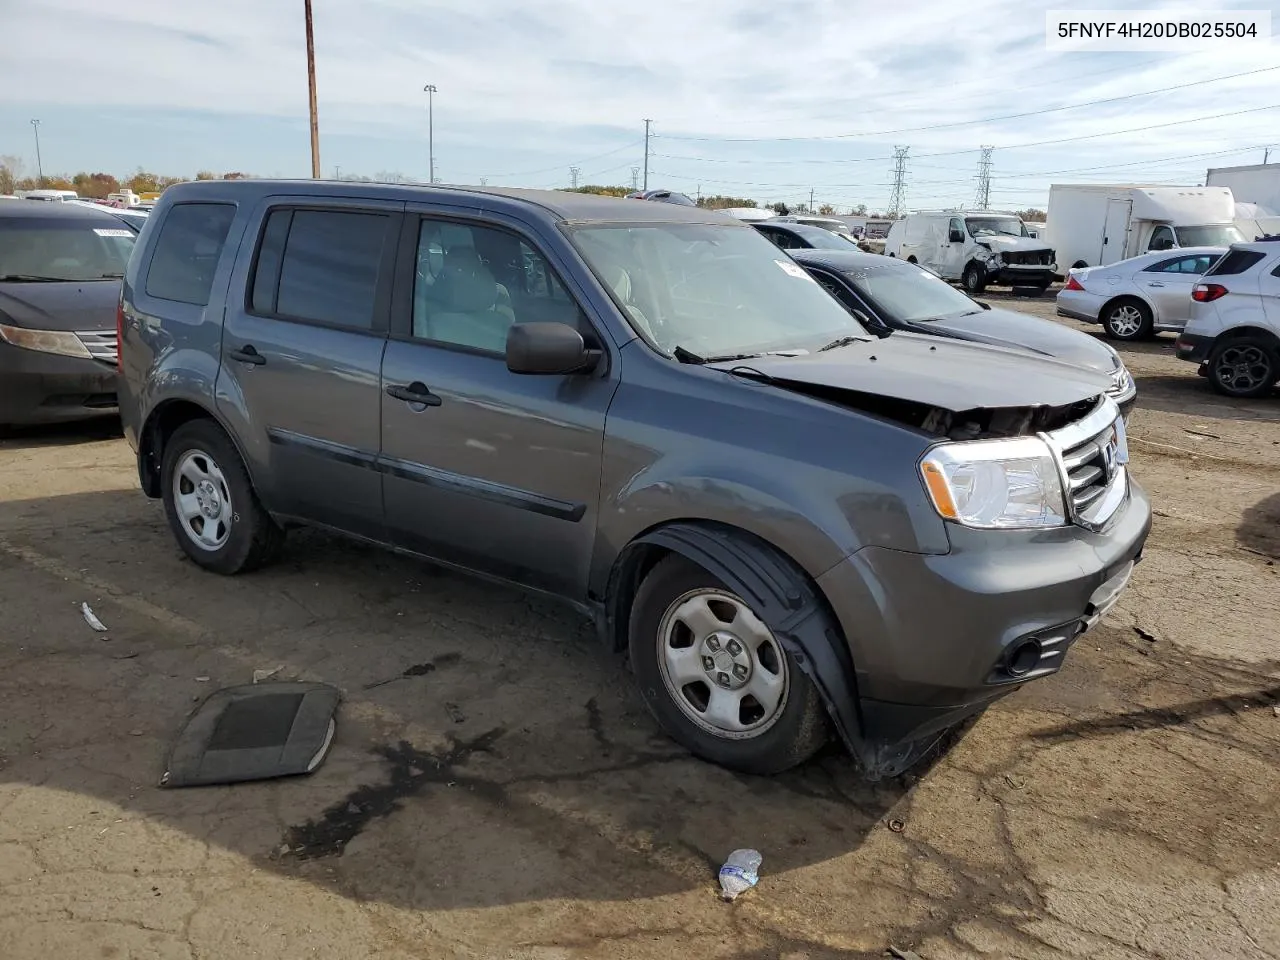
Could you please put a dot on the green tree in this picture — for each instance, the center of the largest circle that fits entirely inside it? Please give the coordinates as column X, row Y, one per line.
column 859, row 211
column 95, row 185
column 719, row 202
column 206, row 175
column 10, row 173
column 599, row 190
column 826, row 209
column 144, row 182
column 1032, row 214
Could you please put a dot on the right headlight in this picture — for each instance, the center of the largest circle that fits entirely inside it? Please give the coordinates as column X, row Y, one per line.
column 995, row 484
column 45, row 341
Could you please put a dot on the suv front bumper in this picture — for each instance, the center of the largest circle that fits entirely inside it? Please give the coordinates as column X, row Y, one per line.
column 935, row 638
column 1021, row 276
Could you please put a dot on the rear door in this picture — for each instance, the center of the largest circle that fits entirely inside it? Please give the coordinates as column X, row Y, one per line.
column 490, row 470
column 302, row 354
column 1269, row 285
column 1115, row 231
column 1167, row 284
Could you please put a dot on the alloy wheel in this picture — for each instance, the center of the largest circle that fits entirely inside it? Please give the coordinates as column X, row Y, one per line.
column 202, row 500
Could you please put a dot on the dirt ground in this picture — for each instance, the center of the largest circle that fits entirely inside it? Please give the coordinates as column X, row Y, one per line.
column 513, row 799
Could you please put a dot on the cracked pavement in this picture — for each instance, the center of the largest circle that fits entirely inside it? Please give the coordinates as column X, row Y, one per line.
column 497, row 789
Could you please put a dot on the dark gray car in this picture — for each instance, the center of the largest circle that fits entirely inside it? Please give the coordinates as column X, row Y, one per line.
column 60, row 270
column 646, row 410
column 892, row 294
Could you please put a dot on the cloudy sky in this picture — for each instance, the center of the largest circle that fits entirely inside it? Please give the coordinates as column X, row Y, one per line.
column 754, row 98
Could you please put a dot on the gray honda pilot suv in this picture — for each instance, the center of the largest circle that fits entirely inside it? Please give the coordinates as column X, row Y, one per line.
column 650, row 411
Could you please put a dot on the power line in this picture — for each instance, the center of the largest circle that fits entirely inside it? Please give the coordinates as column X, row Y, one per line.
column 635, row 179
column 983, row 195
column 897, row 199
column 559, row 166
column 968, row 123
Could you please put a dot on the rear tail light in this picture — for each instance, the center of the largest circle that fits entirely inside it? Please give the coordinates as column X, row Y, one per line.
column 1207, row 292
column 120, row 333
column 1073, row 283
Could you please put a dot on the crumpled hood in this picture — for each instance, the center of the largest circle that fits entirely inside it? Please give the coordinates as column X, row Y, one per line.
column 1006, row 244
column 939, row 372
column 87, row 305
column 1008, row 328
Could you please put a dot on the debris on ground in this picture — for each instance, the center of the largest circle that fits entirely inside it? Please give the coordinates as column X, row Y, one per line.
column 418, row 670
column 455, row 713
column 896, row 824
column 899, row 954
column 740, row 873
column 91, row 619
column 255, row 731
column 1016, row 782
column 1146, row 635
column 261, row 675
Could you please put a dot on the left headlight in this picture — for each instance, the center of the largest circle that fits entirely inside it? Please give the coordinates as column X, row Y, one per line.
column 995, row 484
column 45, row 341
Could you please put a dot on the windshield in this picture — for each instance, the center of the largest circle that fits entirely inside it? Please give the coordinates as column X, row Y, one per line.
column 995, row 226
column 73, row 250
column 1214, row 235
column 835, row 226
column 906, row 293
column 716, row 291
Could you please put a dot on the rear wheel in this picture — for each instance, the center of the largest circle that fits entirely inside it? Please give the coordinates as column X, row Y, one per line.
column 1244, row 367
column 974, row 278
column 715, row 677
column 1127, row 320
column 210, row 503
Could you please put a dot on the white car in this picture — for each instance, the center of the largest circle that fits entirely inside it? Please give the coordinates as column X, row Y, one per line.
column 1137, row 297
column 976, row 247
column 1234, row 331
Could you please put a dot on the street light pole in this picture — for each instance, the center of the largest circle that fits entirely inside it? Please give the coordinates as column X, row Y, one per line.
column 430, row 90
column 311, row 90
column 35, row 125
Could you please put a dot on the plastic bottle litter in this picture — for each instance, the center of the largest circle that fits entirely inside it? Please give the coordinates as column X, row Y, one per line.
column 740, row 873
column 90, row 618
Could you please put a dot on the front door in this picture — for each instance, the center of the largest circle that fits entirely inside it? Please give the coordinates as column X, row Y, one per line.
column 1168, row 284
column 490, row 470
column 1115, row 232
column 302, row 354
column 950, row 251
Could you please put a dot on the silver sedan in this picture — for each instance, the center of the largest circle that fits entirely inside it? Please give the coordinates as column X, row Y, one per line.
column 1137, row 297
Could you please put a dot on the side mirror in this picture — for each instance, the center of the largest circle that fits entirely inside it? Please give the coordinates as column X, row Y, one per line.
column 983, row 304
column 956, row 236
column 548, row 348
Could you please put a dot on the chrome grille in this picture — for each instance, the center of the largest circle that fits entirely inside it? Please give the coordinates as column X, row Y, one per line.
column 1029, row 258
column 1091, row 453
column 101, row 344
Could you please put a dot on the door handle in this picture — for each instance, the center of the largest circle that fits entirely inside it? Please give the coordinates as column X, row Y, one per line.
column 247, row 354
column 1153, row 284
column 416, row 392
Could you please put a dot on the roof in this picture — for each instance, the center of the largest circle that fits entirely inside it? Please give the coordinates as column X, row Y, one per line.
column 799, row 229
column 563, row 205
column 1246, row 169
column 962, row 213
column 842, row 261
column 32, row 209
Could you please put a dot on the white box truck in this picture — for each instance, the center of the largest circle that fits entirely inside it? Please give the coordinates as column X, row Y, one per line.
column 1092, row 225
column 1256, row 189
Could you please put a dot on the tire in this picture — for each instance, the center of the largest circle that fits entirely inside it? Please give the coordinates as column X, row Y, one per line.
column 974, row 278
column 1127, row 319
column 912, row 259
column 220, row 524
column 771, row 737
column 1244, row 367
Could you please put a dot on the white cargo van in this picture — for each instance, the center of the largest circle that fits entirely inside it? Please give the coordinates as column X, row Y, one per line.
column 976, row 247
column 1093, row 225
column 54, row 195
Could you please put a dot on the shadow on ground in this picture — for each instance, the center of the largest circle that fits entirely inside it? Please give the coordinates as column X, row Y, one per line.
column 488, row 750
column 1259, row 529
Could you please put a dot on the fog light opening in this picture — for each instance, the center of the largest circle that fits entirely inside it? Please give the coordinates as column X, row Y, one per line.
column 1024, row 657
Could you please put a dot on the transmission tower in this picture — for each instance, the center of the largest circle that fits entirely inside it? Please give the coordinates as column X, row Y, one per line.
column 898, row 198
column 573, row 176
column 982, row 198
column 635, row 179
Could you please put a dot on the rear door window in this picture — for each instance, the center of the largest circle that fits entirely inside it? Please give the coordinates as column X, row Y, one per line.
column 1192, row 265
column 187, row 251
column 1235, row 262
column 320, row 266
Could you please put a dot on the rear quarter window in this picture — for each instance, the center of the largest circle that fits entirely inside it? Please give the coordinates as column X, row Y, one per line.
column 1235, row 262
column 187, row 251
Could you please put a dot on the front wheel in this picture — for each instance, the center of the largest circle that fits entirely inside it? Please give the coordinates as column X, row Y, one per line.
column 210, row 503
column 1244, row 368
column 974, row 278
column 715, row 677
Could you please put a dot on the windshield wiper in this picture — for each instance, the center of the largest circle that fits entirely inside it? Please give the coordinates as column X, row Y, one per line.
column 687, row 356
column 31, row 278
column 842, row 342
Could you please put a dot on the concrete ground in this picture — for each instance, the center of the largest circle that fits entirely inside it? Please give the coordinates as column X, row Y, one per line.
column 512, row 798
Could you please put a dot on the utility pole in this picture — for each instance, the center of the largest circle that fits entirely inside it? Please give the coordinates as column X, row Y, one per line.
column 898, row 197
column 1266, row 152
column 337, row 172
column 635, row 179
column 40, row 165
column 983, row 196
column 573, row 176
column 430, row 91
column 646, row 153
column 311, row 90
column 811, row 207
